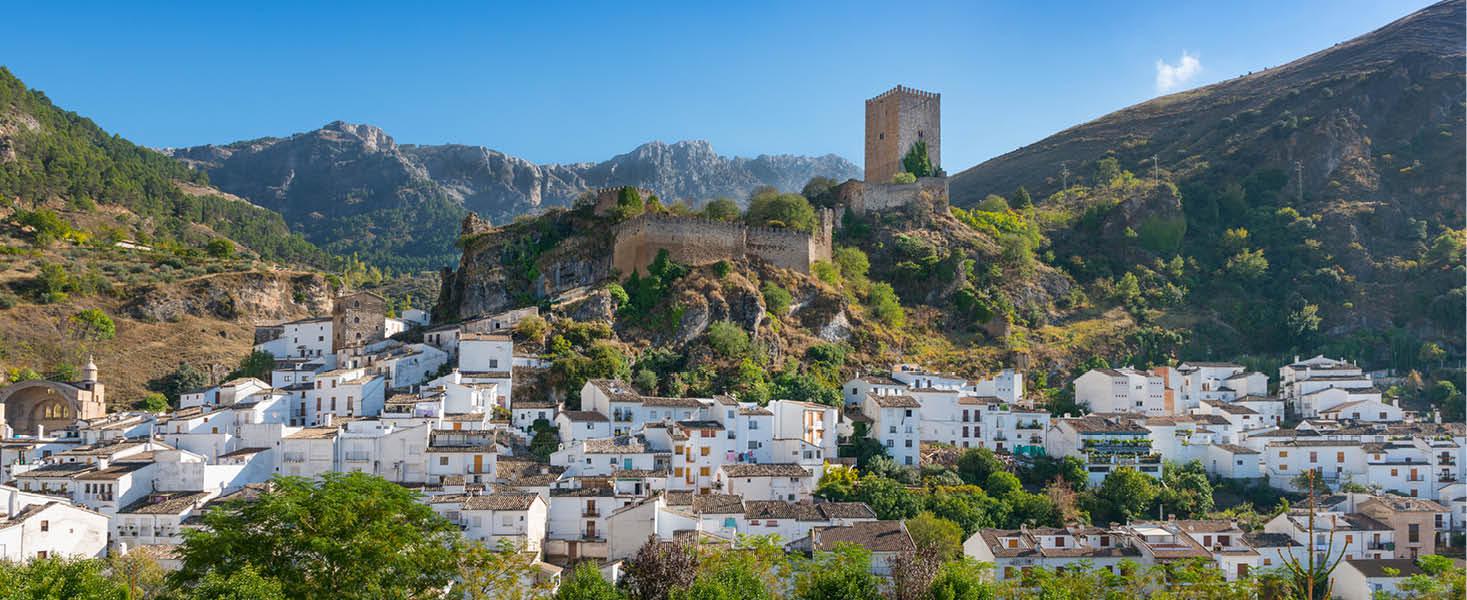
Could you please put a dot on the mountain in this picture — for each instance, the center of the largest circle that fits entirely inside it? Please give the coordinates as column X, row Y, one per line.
column 1314, row 206
column 1352, row 114
column 353, row 189
column 175, row 292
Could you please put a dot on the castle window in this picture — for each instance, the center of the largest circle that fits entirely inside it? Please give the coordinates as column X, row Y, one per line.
column 919, row 134
column 881, row 136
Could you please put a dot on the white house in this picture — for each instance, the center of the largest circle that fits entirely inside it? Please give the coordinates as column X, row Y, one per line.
column 54, row 529
column 1127, row 390
column 519, row 518
column 779, row 481
column 896, row 424
column 1367, row 579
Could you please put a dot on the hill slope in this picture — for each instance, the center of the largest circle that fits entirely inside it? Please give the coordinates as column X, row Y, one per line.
column 352, row 189
column 1316, row 206
column 112, row 251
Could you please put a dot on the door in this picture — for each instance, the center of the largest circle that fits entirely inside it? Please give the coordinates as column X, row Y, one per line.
column 478, row 463
column 590, row 529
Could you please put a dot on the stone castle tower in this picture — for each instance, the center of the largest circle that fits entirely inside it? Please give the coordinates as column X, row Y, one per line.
column 895, row 120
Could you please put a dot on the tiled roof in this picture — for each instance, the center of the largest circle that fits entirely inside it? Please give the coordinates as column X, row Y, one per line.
column 1377, row 568
column 718, row 504
column 673, row 402
column 894, row 401
column 632, row 444
column 876, row 536
column 166, row 504
column 585, row 416
column 765, row 470
column 500, row 501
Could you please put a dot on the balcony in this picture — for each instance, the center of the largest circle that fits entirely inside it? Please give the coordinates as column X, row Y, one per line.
column 294, row 457
column 358, row 457
column 590, row 512
column 1029, row 425
column 1382, row 546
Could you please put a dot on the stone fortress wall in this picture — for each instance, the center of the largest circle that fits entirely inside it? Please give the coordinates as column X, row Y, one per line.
column 697, row 241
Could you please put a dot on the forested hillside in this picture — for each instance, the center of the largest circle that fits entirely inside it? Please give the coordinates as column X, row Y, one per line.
column 50, row 154
column 1312, row 207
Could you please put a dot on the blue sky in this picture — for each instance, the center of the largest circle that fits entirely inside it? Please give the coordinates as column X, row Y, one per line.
column 564, row 82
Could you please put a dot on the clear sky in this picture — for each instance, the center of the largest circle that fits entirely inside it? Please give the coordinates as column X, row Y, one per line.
column 562, row 82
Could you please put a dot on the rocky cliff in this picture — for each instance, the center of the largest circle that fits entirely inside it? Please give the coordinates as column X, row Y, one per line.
column 352, row 189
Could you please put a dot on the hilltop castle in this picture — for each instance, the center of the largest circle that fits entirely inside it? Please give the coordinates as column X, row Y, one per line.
column 895, row 121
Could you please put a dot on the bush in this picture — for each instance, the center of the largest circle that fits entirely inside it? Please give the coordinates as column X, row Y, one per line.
column 728, row 339
column 826, row 272
column 153, row 402
column 721, row 209
column 220, row 248
column 886, row 307
column 776, row 299
column 533, row 328
column 904, row 177
column 771, row 209
column 93, row 324
column 853, row 262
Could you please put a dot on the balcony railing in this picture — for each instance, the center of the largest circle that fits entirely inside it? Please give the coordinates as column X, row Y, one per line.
column 590, row 512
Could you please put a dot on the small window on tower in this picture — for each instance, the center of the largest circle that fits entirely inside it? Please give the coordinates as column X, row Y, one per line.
column 919, row 134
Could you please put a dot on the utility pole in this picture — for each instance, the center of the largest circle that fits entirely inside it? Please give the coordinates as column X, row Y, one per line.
column 1065, row 175
column 1299, row 178
column 1155, row 171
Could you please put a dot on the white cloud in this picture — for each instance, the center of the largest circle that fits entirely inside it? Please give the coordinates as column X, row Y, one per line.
column 1172, row 77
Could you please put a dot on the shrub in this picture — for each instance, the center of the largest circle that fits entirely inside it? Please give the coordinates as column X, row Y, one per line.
column 904, row 177
column 826, row 272
column 220, row 248
column 93, row 324
column 776, row 298
column 852, row 262
column 721, row 209
column 728, row 339
column 771, row 209
column 886, row 307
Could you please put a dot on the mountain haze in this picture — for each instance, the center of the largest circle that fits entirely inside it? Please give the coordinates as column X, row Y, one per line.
column 352, row 188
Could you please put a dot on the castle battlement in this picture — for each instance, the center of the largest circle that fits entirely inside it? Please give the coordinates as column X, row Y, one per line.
column 906, row 91
column 700, row 241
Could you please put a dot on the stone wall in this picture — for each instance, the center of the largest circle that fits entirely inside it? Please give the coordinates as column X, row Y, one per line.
column 895, row 120
column 695, row 241
column 864, row 197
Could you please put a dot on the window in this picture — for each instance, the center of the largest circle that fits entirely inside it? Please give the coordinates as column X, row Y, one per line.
column 907, row 413
column 729, row 523
column 909, row 443
column 1283, row 453
column 1413, row 533
column 703, row 451
column 890, row 443
column 1313, row 457
column 703, row 471
column 494, row 363
column 45, row 526
column 443, row 461
column 1339, row 457
column 753, row 425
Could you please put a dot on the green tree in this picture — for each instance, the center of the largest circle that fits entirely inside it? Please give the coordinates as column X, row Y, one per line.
column 1020, row 198
column 975, row 465
column 257, row 364
column 504, row 572
column 852, row 262
column 1186, row 491
column 244, row 584
column 58, row 579
column 533, row 328
column 721, row 209
column 1247, row 265
column 1125, row 494
column 586, row 583
column 1002, row 483
column 728, row 339
column 963, row 579
column 941, row 536
column 1107, row 170
column 776, row 299
column 628, row 203
column 53, row 284
column 821, row 191
column 348, row 535
column 903, row 177
column 889, row 499
column 917, row 162
column 153, row 402
column 886, row 307
column 844, row 573
column 790, row 211
column 993, row 203
column 92, row 324
column 220, row 248
column 182, row 379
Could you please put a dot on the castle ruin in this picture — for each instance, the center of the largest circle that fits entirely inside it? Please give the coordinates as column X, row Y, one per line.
column 695, row 241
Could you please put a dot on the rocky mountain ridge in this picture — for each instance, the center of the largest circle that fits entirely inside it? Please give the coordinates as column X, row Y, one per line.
column 344, row 178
